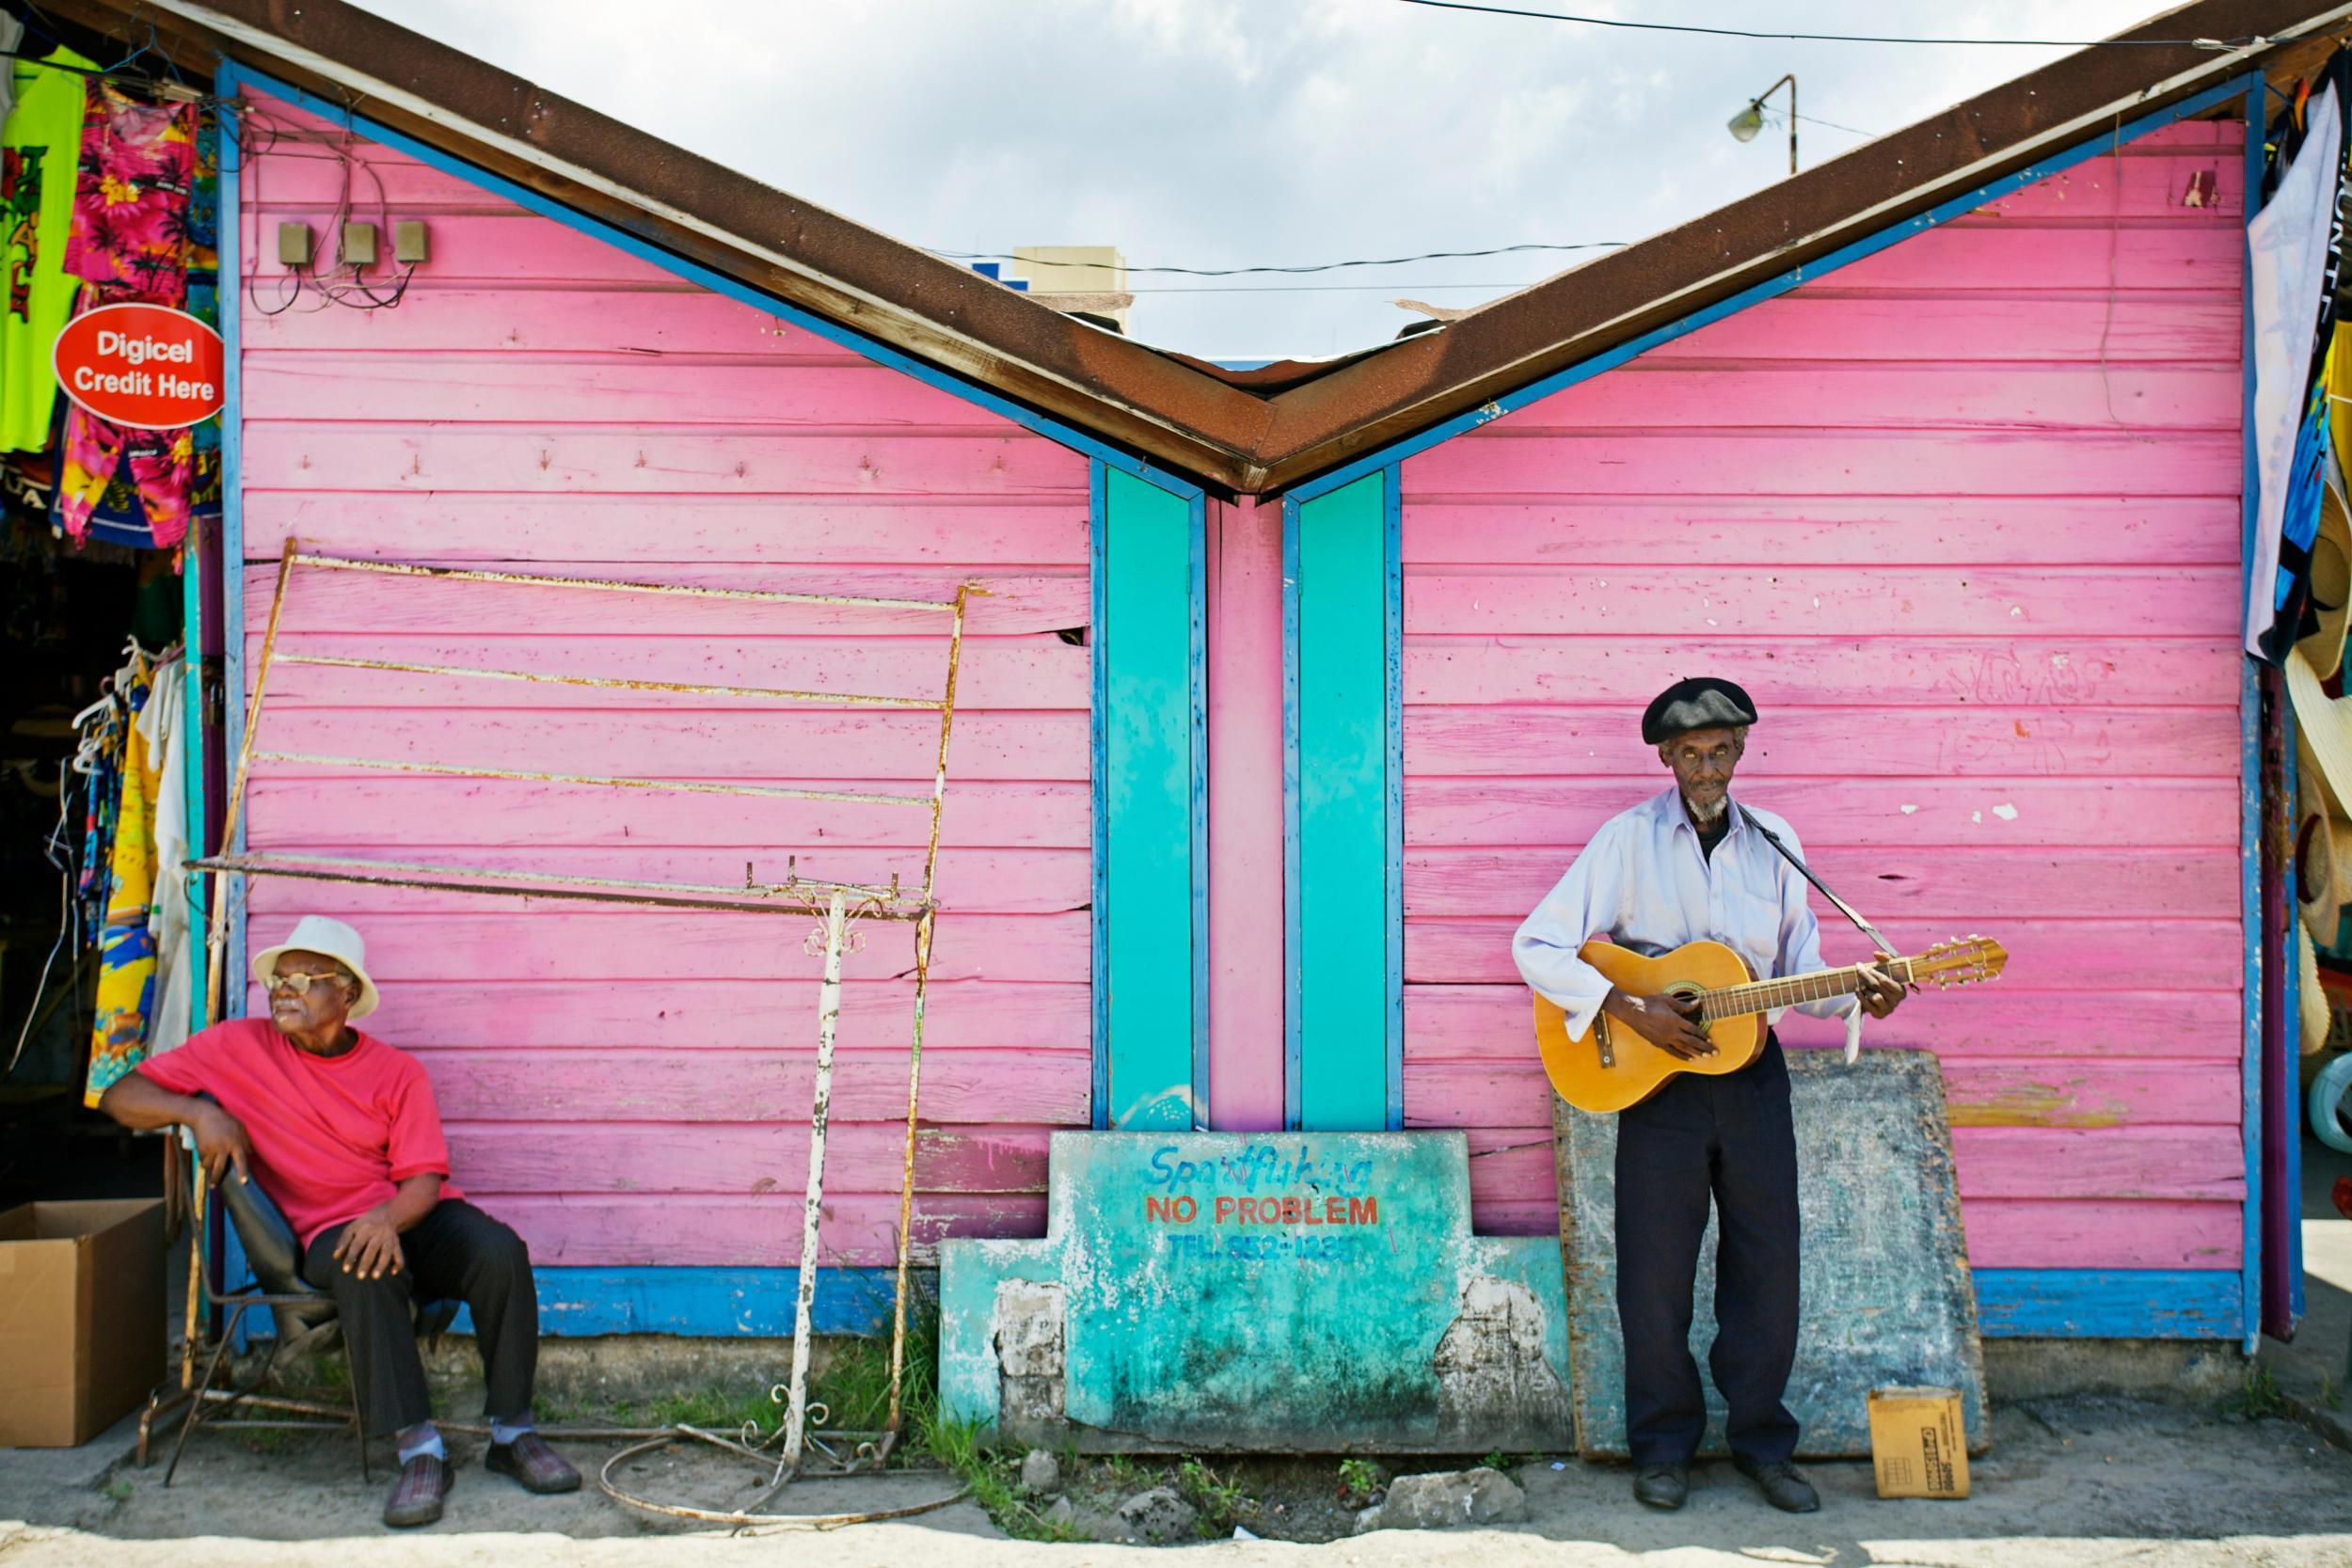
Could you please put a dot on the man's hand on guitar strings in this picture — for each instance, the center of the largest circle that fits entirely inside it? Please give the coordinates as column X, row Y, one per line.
column 1671, row 1023
column 1880, row 991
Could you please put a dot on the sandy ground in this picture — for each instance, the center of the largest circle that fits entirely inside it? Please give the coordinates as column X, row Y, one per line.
column 2071, row 1481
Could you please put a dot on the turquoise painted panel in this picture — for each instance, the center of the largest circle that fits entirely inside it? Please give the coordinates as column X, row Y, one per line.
column 2110, row 1304
column 1311, row 1292
column 1883, row 1278
column 1341, row 995
column 1147, row 788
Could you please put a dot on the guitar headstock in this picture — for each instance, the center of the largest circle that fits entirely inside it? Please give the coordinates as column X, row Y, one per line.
column 1961, row 961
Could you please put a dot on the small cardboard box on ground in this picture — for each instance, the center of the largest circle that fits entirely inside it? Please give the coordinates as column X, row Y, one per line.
column 1916, row 1443
column 81, row 1317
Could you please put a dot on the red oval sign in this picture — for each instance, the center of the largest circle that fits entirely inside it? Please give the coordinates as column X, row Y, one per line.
column 146, row 366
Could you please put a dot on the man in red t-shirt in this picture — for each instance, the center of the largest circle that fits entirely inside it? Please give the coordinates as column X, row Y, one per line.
column 340, row 1131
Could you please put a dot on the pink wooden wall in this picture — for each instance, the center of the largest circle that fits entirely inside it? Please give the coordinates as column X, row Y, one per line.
column 1963, row 516
column 632, row 1089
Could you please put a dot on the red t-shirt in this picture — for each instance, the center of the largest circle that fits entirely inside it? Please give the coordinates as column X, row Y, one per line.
column 331, row 1135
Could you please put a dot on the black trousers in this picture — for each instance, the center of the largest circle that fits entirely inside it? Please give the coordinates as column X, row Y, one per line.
column 1729, row 1139
column 455, row 1253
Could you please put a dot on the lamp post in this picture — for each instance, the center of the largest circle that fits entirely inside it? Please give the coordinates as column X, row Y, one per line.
column 1748, row 121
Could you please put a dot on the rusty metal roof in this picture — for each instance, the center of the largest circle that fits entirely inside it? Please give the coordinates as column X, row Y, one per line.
column 1243, row 432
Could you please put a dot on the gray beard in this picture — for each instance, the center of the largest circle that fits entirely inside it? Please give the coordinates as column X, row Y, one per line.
column 1705, row 815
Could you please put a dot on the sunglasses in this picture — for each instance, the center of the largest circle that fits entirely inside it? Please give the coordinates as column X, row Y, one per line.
column 298, row 983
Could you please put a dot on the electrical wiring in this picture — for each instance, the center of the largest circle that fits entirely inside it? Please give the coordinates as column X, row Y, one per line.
column 1626, row 25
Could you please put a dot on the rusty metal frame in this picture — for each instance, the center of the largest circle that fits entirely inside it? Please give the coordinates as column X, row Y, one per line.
column 836, row 904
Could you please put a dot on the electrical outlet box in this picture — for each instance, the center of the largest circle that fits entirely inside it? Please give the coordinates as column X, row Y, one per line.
column 358, row 244
column 293, row 245
column 408, row 243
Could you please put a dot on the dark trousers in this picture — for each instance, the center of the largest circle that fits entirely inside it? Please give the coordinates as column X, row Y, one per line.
column 455, row 1253
column 1729, row 1139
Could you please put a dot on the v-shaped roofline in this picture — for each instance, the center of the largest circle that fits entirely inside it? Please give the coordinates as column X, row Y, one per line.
column 1179, row 413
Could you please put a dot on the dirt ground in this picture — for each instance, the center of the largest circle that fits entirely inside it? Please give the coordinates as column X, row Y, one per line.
column 2081, row 1481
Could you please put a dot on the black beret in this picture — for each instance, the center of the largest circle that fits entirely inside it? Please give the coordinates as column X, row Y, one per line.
column 1702, row 702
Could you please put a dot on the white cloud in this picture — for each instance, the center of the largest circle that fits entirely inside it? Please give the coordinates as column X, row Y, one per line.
column 1223, row 133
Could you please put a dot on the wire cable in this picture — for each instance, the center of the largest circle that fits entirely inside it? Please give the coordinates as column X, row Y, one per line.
column 1833, row 38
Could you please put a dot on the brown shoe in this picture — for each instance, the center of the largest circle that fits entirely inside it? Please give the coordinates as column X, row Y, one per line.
column 417, row 1496
column 535, row 1466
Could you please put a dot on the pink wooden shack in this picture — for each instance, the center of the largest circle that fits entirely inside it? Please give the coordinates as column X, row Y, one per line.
column 1294, row 689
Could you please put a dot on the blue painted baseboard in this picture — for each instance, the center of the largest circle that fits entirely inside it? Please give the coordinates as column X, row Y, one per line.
column 2110, row 1304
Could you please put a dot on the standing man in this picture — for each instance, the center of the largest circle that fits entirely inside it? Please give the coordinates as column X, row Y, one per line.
column 341, row 1131
column 1680, row 868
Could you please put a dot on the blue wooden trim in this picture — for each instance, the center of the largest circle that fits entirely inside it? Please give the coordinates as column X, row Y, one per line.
column 1099, row 773
column 1392, row 522
column 712, row 1304
column 1198, row 506
column 232, row 76
column 230, row 246
column 1291, row 1113
column 2249, row 784
column 1811, row 272
column 2110, row 1304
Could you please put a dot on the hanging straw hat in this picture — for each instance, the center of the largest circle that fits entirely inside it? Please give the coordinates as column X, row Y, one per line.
column 2317, row 1016
column 2330, row 579
column 2320, row 859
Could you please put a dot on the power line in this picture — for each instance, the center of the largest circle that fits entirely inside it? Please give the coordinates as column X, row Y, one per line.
column 1319, row 266
column 1833, row 37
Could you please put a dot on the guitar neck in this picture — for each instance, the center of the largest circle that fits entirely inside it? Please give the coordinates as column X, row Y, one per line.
column 1764, row 996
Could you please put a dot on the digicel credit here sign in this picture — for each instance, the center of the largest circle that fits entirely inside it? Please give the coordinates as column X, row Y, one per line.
column 148, row 367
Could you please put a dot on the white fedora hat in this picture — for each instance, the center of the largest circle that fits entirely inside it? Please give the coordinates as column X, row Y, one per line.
column 316, row 933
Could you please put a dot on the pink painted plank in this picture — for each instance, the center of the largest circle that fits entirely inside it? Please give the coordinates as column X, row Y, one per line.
column 409, row 812
column 700, row 742
column 502, row 1157
column 1018, row 603
column 677, row 949
column 542, row 458
column 641, row 319
column 1245, row 826
column 1028, row 1087
column 1950, row 740
column 970, row 881
column 1038, row 670
column 1878, row 395
column 2205, row 1163
column 1995, row 253
column 1859, row 601
column 1939, row 886
column 1831, row 811
column 738, row 1232
column 475, row 248
column 575, row 388
column 1788, row 672
column 1484, row 1022
column 1718, row 534
column 2005, row 1233
column 1829, row 321
column 575, row 532
column 731, row 1015
column 2158, row 186
column 1986, row 1092
column 306, row 176
column 2045, row 954
column 1806, row 461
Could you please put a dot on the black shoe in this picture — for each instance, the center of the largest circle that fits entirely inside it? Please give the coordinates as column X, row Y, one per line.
column 1781, row 1486
column 1662, row 1486
column 417, row 1496
column 531, row 1463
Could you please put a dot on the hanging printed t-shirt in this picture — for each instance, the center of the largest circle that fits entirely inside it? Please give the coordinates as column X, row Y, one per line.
column 40, row 152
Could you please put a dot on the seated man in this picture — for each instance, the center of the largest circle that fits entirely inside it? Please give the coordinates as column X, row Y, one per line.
column 340, row 1131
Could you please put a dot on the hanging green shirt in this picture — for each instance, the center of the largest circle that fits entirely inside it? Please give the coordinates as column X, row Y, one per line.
column 39, row 150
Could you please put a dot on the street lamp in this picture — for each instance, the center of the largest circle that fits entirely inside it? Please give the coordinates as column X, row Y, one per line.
column 1748, row 121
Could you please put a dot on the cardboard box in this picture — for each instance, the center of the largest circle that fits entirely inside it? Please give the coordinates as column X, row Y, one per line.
column 81, row 1317
column 1918, row 1443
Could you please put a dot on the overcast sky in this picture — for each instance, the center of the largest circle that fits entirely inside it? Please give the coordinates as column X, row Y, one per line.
column 1238, row 132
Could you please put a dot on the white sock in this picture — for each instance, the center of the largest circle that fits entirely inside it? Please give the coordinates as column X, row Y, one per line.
column 506, row 1431
column 424, row 1438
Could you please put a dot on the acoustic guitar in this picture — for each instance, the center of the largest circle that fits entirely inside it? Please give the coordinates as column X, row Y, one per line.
column 1611, row 1067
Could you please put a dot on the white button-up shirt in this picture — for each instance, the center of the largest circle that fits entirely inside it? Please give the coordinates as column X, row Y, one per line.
column 1645, row 883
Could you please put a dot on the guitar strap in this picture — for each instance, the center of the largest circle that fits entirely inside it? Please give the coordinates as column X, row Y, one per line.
column 1843, row 908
